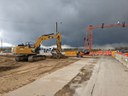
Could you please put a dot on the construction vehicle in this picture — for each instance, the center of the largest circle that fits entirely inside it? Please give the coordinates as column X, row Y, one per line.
column 81, row 53
column 30, row 52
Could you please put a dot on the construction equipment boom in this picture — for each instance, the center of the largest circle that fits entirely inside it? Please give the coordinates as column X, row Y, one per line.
column 30, row 52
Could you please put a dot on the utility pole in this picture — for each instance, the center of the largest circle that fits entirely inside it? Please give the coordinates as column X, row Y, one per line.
column 56, row 27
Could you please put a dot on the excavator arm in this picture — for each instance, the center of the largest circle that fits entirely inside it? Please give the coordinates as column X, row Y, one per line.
column 48, row 37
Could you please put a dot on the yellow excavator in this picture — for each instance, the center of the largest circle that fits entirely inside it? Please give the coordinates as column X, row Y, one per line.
column 30, row 52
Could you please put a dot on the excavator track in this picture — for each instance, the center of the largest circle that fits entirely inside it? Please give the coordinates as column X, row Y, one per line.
column 36, row 58
column 30, row 58
column 21, row 58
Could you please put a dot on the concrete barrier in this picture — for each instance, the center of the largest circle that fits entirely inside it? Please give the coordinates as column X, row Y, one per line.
column 122, row 58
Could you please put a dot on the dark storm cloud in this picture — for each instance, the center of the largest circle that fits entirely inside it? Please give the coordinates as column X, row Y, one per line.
column 26, row 20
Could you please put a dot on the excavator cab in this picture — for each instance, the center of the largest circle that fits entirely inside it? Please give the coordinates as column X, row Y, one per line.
column 29, row 44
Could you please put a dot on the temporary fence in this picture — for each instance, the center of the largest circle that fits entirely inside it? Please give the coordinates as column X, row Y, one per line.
column 95, row 53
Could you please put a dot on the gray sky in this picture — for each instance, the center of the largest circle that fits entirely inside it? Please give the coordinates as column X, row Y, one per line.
column 26, row 20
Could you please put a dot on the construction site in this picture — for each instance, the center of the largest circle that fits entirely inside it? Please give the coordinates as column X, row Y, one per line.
column 26, row 72
column 66, row 61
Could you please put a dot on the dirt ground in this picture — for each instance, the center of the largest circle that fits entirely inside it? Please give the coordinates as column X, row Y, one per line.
column 17, row 74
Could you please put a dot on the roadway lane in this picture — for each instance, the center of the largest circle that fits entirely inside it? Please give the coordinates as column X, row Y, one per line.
column 111, row 79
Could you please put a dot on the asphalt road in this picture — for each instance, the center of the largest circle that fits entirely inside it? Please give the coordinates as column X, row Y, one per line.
column 111, row 79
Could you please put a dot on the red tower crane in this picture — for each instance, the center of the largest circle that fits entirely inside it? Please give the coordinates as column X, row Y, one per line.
column 90, row 28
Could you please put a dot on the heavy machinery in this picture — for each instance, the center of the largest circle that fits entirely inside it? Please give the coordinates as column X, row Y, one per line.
column 81, row 53
column 30, row 52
